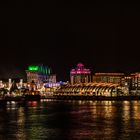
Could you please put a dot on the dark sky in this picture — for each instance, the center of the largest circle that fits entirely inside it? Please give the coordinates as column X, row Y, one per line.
column 104, row 36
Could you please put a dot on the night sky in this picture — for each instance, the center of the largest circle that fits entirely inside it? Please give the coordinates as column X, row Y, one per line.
column 104, row 36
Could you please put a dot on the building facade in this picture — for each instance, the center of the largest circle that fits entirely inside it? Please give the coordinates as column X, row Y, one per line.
column 40, row 74
column 80, row 74
column 115, row 78
column 135, row 81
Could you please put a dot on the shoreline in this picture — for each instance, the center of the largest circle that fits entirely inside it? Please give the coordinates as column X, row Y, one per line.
column 101, row 98
column 63, row 97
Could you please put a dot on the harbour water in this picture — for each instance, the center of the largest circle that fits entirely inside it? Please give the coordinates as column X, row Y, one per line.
column 70, row 120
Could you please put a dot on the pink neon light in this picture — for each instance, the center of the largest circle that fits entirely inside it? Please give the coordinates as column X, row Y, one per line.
column 80, row 65
column 80, row 69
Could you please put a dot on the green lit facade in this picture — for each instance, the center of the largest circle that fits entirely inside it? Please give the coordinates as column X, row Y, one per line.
column 33, row 68
column 40, row 69
column 40, row 74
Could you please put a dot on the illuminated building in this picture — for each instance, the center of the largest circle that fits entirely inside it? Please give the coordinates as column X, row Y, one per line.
column 80, row 74
column 127, row 82
column 90, row 89
column 135, row 81
column 115, row 78
column 56, row 84
column 40, row 74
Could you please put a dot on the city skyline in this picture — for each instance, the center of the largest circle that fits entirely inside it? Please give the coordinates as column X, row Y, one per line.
column 17, row 73
column 69, row 70
column 103, row 36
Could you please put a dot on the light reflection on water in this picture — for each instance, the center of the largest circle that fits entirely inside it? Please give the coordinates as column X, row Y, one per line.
column 77, row 120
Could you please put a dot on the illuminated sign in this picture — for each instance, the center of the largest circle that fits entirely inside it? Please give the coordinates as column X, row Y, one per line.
column 33, row 68
column 80, row 70
column 40, row 69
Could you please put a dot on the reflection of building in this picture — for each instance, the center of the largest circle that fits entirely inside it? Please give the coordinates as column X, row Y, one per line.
column 115, row 78
column 80, row 74
column 40, row 74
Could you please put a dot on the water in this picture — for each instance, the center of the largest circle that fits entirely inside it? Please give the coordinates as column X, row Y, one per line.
column 70, row 120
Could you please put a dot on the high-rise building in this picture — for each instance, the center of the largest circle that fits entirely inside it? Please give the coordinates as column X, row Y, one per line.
column 80, row 74
column 40, row 74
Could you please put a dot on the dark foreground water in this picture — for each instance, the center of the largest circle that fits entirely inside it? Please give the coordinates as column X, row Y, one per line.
column 71, row 120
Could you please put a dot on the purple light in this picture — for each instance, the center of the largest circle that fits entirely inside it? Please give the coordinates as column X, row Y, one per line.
column 80, row 69
column 80, row 65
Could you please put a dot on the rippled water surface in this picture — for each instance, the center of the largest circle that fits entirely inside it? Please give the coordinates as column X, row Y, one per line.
column 70, row 120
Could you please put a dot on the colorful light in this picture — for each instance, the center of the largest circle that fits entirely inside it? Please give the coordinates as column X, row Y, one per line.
column 80, row 69
column 40, row 69
column 33, row 68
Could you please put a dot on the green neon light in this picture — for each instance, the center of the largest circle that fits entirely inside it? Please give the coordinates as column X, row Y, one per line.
column 49, row 71
column 40, row 69
column 46, row 71
column 33, row 68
